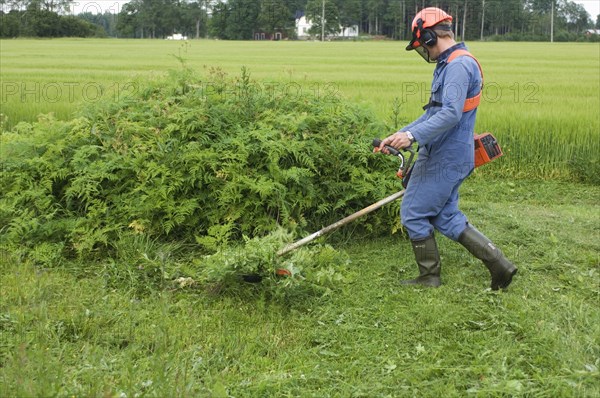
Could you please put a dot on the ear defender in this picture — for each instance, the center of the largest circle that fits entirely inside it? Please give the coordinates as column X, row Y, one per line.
column 426, row 36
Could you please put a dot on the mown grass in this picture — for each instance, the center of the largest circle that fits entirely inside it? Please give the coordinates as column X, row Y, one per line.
column 65, row 332
column 539, row 97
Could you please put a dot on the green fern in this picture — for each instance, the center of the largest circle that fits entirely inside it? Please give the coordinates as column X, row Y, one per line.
column 173, row 162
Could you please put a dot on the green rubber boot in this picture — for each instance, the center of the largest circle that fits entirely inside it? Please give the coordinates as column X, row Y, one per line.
column 501, row 270
column 428, row 260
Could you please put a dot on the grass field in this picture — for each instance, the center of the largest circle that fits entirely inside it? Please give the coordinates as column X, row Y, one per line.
column 69, row 330
column 64, row 333
column 538, row 96
column 522, row 78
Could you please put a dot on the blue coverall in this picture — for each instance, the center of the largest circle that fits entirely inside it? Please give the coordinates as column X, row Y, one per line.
column 446, row 150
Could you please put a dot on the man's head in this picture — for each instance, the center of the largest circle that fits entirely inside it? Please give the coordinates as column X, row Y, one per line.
column 432, row 33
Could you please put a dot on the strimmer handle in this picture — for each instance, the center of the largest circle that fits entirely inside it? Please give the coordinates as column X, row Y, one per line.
column 405, row 166
column 393, row 151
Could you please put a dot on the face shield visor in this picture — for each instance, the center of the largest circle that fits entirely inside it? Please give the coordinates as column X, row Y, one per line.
column 417, row 43
column 421, row 50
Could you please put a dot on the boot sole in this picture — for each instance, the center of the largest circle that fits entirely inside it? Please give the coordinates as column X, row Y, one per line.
column 506, row 281
column 427, row 283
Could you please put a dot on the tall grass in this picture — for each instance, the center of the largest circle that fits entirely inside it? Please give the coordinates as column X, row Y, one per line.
column 541, row 98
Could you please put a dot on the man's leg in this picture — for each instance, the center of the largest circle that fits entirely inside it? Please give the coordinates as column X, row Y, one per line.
column 424, row 198
column 428, row 261
column 453, row 223
column 501, row 269
column 450, row 221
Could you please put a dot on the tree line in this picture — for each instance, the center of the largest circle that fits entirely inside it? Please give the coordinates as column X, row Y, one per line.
column 43, row 18
column 240, row 19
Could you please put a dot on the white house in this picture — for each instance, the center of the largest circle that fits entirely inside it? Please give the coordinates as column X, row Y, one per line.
column 177, row 36
column 303, row 25
column 351, row 31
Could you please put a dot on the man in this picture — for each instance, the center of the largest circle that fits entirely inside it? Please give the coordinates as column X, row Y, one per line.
column 444, row 134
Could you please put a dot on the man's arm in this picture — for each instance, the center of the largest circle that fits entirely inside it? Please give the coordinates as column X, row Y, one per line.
column 421, row 119
column 456, row 86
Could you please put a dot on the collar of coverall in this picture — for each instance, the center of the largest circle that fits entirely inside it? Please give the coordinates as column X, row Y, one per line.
column 444, row 56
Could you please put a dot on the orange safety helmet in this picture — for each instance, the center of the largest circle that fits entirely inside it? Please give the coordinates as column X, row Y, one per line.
column 423, row 34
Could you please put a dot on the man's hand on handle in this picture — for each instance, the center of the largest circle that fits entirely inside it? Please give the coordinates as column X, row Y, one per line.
column 398, row 140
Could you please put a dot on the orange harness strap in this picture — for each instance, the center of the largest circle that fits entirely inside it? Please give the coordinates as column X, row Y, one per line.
column 473, row 102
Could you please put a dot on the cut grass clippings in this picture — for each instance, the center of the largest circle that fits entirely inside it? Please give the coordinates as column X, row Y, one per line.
column 68, row 334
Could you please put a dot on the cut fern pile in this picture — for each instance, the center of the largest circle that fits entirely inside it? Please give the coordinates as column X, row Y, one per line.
column 255, row 260
column 179, row 163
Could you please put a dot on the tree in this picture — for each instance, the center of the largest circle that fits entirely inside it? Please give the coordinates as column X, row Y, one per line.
column 376, row 11
column 10, row 24
column 218, row 22
column 503, row 17
column 295, row 6
column 242, row 19
column 275, row 16
column 129, row 21
column 193, row 18
column 577, row 18
column 150, row 18
column 239, row 19
column 394, row 19
column 36, row 22
column 56, row 6
column 330, row 25
column 349, row 12
column 106, row 21
column 235, row 19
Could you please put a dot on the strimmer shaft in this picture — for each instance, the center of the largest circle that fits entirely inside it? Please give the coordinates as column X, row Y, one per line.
column 337, row 224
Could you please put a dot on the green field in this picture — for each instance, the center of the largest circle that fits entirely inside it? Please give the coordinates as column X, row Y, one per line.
column 539, row 96
column 65, row 333
column 92, row 327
